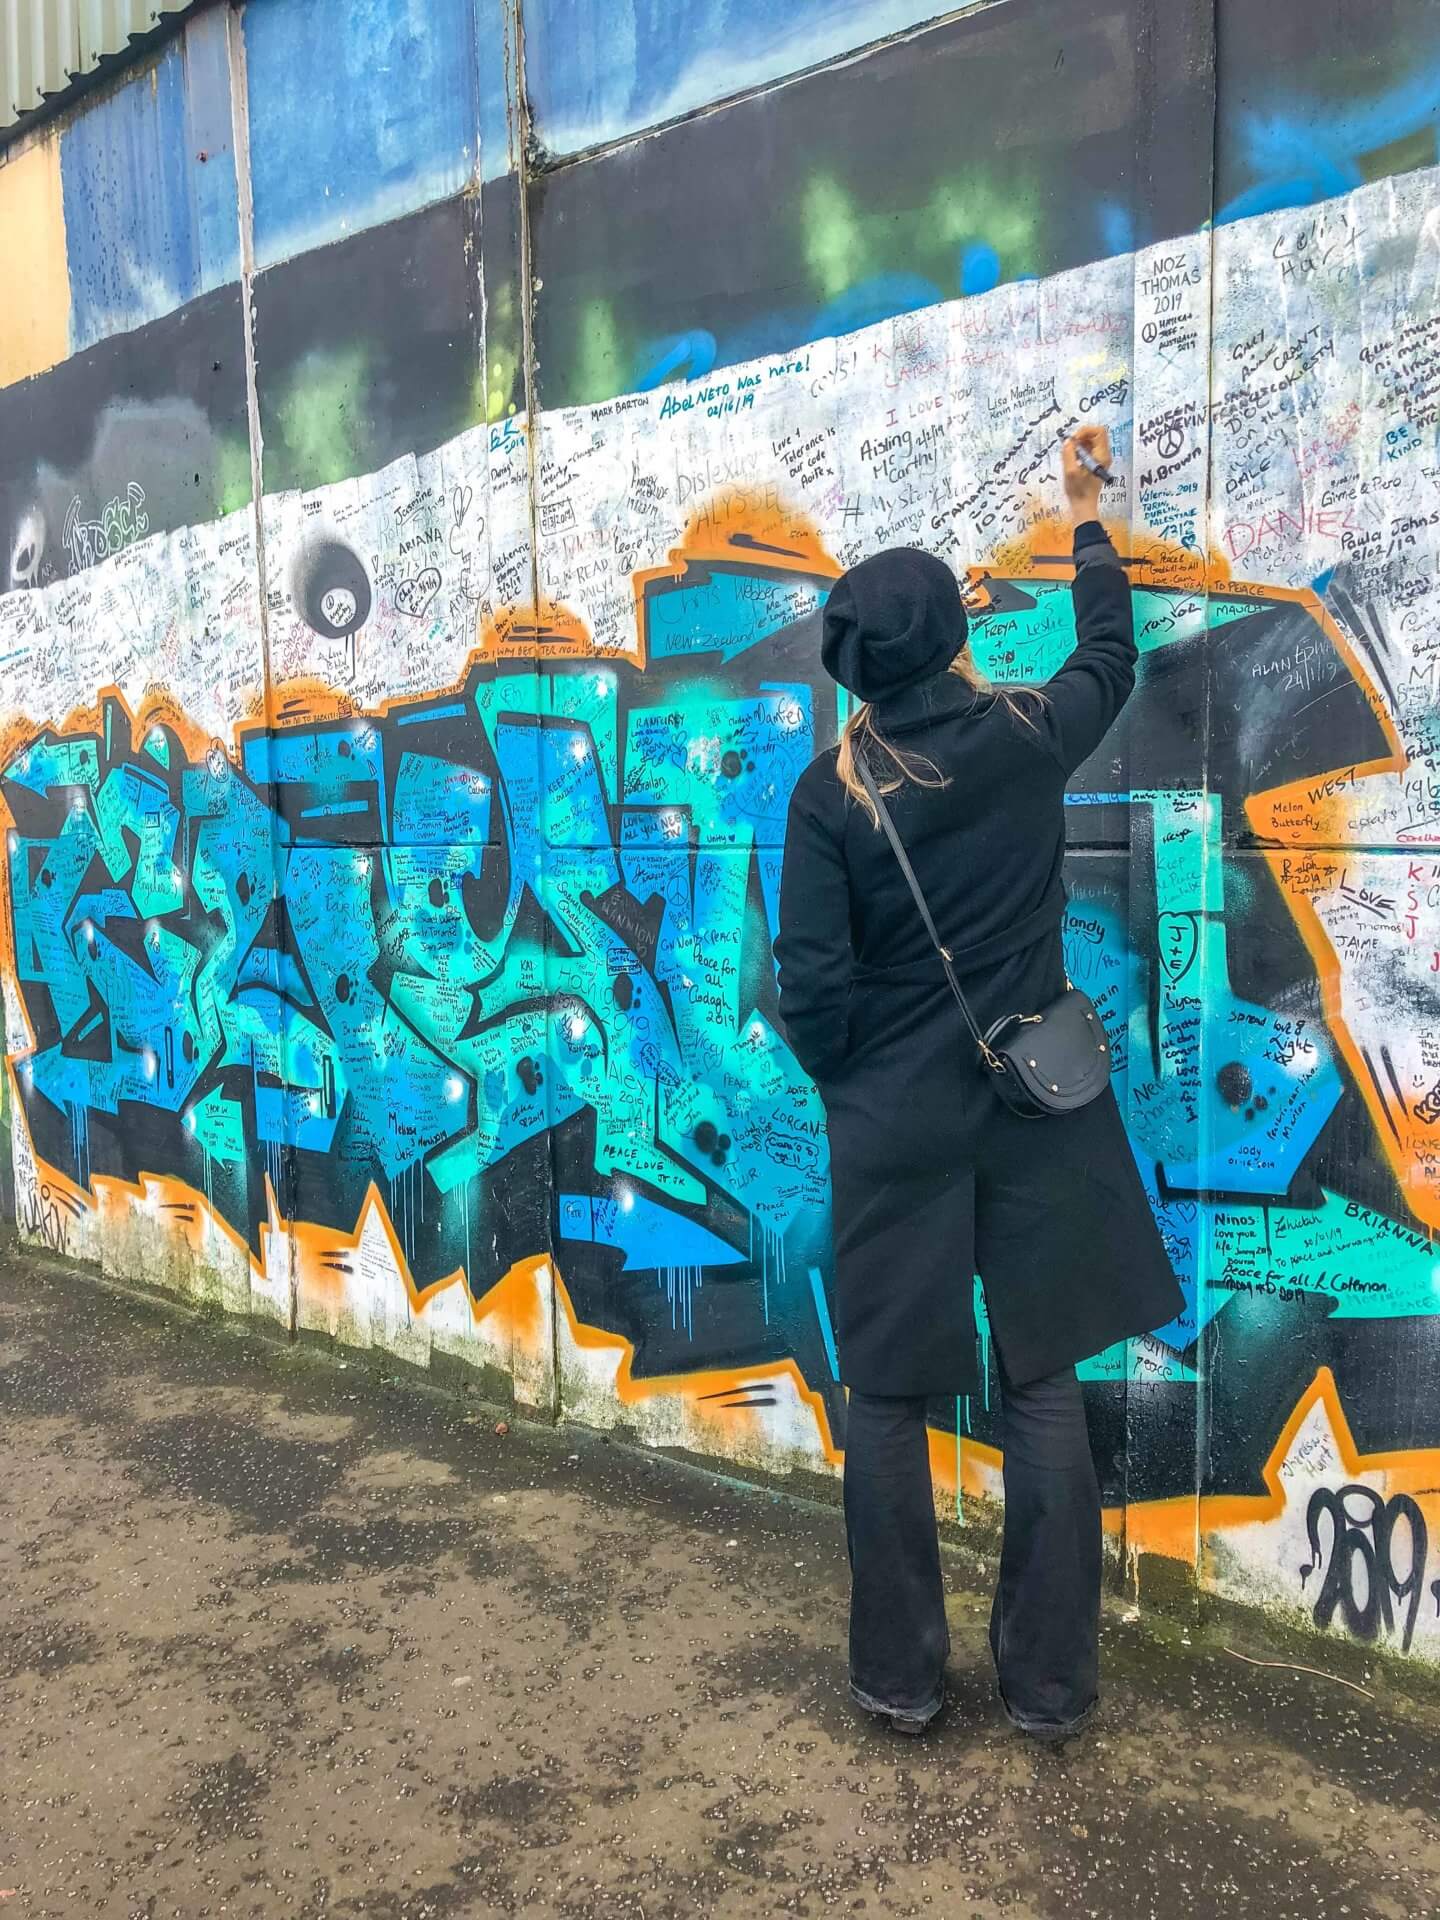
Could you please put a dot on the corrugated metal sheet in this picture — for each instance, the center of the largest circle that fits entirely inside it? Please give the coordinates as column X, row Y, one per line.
column 49, row 48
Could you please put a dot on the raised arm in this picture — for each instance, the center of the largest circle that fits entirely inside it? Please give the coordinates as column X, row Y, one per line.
column 1084, row 697
column 812, row 948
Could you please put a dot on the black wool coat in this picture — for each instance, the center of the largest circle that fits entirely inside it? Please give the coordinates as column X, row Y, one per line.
column 933, row 1179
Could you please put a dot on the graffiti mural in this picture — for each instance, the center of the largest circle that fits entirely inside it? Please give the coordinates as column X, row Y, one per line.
column 391, row 868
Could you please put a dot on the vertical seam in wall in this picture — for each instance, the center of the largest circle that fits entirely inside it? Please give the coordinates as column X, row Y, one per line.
column 527, row 295
column 1144, row 136
column 523, row 148
column 240, row 137
column 240, row 142
column 1145, row 139
column 1203, row 1339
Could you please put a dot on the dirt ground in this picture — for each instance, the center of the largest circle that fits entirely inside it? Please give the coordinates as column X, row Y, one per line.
column 277, row 1639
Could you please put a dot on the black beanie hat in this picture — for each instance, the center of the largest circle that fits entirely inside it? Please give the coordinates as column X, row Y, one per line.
column 892, row 621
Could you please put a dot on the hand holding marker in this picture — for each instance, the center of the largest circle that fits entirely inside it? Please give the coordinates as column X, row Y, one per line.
column 1091, row 465
column 1085, row 468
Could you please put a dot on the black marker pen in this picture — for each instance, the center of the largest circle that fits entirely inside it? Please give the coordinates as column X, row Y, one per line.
column 1102, row 474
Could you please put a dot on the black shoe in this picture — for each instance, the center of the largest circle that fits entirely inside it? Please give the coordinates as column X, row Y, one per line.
column 1051, row 1732
column 899, row 1720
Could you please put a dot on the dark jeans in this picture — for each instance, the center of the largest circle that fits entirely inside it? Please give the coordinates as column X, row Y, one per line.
column 1045, row 1621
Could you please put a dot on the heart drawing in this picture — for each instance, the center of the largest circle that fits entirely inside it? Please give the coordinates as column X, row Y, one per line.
column 1179, row 942
column 414, row 596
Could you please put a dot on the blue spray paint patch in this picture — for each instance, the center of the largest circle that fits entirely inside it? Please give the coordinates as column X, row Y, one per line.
column 979, row 268
column 868, row 302
column 360, row 110
column 148, row 181
column 1273, row 196
column 1117, row 227
column 692, row 354
column 1317, row 149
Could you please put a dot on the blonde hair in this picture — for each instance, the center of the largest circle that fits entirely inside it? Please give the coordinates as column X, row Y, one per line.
column 889, row 766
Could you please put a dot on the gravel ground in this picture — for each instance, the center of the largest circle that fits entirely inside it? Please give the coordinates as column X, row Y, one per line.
column 276, row 1639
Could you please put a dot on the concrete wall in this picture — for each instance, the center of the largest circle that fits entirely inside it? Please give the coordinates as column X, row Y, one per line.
column 392, row 870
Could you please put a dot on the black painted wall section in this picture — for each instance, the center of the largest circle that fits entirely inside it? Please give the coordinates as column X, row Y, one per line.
column 161, row 409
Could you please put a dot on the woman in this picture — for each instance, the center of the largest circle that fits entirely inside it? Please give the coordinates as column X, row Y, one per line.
column 934, row 1179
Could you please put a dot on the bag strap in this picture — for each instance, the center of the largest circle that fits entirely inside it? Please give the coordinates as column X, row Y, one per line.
column 877, row 800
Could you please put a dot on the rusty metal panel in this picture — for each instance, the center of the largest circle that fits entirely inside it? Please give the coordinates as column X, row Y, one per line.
column 47, row 47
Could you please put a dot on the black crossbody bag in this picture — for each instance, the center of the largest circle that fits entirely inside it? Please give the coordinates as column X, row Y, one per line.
column 1054, row 1061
